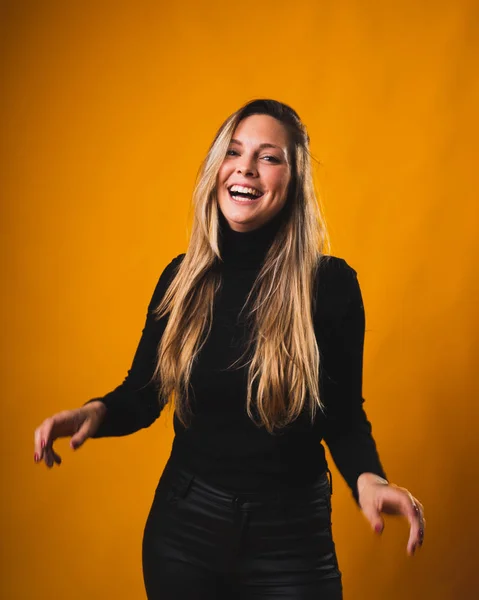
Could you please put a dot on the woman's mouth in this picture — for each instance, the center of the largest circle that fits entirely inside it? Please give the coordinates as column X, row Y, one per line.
column 243, row 194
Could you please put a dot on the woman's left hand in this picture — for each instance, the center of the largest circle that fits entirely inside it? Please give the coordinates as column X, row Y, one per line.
column 377, row 496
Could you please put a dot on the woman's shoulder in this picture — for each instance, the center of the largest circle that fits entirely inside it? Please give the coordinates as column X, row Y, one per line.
column 170, row 270
column 175, row 262
column 165, row 278
column 336, row 284
column 334, row 268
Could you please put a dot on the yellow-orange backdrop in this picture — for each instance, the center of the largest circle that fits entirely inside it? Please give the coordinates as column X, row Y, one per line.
column 107, row 110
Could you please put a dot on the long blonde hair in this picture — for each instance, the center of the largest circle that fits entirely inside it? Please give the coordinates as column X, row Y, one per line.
column 283, row 354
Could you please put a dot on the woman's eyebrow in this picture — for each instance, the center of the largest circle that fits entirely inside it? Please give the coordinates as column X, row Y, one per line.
column 261, row 146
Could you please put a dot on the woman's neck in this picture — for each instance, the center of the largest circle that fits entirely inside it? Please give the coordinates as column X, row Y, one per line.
column 247, row 249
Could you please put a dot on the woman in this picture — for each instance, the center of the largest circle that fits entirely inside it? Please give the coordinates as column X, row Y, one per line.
column 258, row 336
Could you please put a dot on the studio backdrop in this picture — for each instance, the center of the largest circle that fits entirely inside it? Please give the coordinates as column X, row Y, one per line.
column 107, row 109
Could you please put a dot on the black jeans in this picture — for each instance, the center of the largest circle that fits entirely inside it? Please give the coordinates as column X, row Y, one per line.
column 204, row 543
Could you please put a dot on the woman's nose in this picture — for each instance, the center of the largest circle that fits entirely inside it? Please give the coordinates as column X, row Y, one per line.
column 246, row 167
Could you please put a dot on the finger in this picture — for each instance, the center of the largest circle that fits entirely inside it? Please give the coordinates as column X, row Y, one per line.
column 59, row 425
column 416, row 533
column 42, row 437
column 396, row 500
column 51, row 457
column 37, row 449
column 419, row 504
column 48, row 457
column 373, row 515
column 81, row 435
column 419, row 510
column 421, row 521
column 56, row 457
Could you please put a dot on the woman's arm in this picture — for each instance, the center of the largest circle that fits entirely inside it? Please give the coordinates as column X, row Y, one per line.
column 348, row 432
column 134, row 404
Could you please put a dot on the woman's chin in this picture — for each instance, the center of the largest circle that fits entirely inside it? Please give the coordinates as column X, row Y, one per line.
column 241, row 221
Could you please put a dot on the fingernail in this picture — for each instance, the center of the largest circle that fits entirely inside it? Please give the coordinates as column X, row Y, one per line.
column 43, row 443
column 36, row 457
column 378, row 528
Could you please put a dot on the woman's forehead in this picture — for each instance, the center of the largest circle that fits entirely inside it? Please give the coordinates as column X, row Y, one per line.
column 261, row 129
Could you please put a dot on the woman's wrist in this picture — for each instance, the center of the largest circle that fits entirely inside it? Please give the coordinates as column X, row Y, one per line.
column 370, row 478
column 97, row 406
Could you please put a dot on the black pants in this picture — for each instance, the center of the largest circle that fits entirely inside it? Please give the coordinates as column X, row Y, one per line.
column 204, row 543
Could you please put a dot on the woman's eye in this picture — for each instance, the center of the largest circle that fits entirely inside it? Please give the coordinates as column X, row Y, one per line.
column 268, row 157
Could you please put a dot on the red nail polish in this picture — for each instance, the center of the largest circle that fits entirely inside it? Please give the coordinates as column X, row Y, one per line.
column 36, row 457
column 378, row 528
column 43, row 443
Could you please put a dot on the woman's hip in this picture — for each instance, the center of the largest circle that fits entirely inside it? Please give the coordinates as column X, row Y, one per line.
column 286, row 533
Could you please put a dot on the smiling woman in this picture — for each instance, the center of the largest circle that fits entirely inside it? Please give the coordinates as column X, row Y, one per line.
column 254, row 177
column 266, row 330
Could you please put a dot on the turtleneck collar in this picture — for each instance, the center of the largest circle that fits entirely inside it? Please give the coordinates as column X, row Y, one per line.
column 247, row 249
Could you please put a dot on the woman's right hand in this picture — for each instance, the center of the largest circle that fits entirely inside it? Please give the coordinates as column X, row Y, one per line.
column 80, row 424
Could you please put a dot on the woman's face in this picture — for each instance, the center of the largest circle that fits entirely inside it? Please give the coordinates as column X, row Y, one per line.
column 253, row 180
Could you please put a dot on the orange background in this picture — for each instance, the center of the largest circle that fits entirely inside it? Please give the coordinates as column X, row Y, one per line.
column 106, row 111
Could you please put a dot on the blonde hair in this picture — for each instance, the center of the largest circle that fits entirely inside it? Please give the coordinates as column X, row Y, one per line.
column 283, row 354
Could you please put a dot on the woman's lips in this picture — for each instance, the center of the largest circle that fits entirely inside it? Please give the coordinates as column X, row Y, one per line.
column 240, row 200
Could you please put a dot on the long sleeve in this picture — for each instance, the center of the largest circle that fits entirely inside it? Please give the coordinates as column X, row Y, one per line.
column 348, row 432
column 134, row 404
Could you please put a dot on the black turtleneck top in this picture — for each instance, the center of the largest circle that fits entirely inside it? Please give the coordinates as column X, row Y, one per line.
column 222, row 444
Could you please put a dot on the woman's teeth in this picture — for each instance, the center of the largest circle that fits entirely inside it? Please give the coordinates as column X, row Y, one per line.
column 242, row 193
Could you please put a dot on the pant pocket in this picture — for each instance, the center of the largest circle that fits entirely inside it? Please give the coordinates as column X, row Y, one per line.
column 174, row 487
